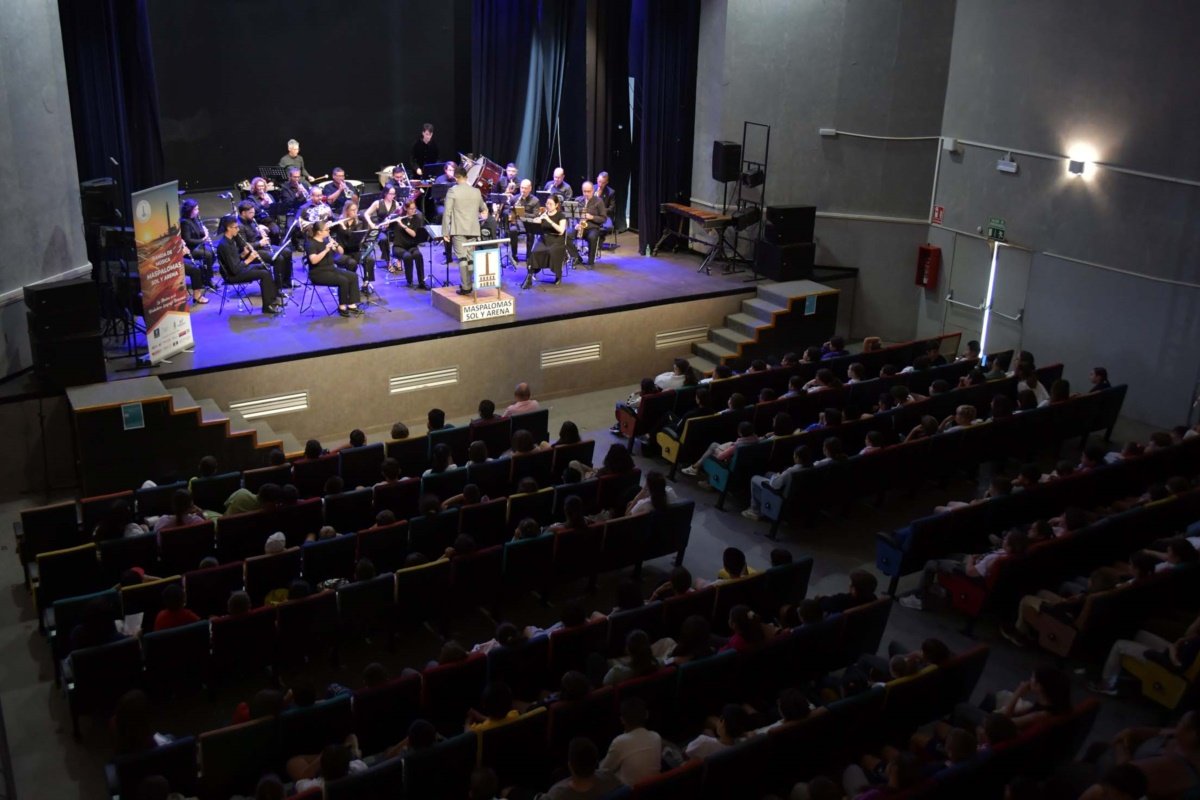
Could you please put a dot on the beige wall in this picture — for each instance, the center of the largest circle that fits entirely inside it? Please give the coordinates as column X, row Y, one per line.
column 351, row 389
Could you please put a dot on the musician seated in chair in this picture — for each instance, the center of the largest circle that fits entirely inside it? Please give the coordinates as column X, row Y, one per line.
column 378, row 213
column 528, row 202
column 240, row 265
column 410, row 233
column 194, row 234
column 509, row 183
column 292, row 195
column 399, row 180
column 550, row 250
column 351, row 235
column 265, row 207
column 322, row 252
column 594, row 222
column 609, row 196
column 557, row 185
column 252, row 235
column 338, row 192
column 315, row 210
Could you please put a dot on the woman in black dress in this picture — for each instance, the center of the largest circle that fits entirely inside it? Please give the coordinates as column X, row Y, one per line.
column 350, row 235
column 321, row 251
column 550, row 250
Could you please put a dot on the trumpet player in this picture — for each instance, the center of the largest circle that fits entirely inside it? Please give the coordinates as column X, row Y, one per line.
column 252, row 236
column 509, row 183
column 239, row 268
column 338, row 192
column 526, row 200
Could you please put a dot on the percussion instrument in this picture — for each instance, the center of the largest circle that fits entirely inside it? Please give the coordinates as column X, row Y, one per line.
column 708, row 220
column 484, row 175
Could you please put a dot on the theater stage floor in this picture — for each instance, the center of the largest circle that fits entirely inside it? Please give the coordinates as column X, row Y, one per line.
column 622, row 279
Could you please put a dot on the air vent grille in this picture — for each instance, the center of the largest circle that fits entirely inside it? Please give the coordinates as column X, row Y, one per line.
column 668, row 340
column 271, row 406
column 422, row 380
column 563, row 356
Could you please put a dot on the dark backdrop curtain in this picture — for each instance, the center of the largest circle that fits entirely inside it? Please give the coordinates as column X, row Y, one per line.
column 114, row 97
column 666, row 100
column 608, row 115
column 502, row 32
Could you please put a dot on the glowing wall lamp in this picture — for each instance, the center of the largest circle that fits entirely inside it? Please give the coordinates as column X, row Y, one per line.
column 1079, row 161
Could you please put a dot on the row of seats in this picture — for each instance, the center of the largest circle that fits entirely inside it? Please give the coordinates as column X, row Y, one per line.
column 295, row 631
column 1049, row 563
column 524, row 750
column 87, row 567
column 958, row 530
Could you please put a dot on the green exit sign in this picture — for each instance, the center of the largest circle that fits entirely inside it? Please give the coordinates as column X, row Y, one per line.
column 996, row 229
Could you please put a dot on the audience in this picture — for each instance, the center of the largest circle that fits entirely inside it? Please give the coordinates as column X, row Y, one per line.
column 523, row 401
column 636, row 754
column 584, row 782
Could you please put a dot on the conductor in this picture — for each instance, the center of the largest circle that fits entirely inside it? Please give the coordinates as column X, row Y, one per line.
column 460, row 223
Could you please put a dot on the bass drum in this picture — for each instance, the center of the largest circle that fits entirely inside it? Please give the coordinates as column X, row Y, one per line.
column 484, row 175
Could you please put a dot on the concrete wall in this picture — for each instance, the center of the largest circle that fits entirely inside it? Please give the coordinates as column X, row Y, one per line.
column 876, row 67
column 1045, row 77
column 351, row 390
column 41, row 224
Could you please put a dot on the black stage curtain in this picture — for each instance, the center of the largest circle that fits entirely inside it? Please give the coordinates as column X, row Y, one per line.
column 665, row 102
column 502, row 32
column 608, row 116
column 114, row 98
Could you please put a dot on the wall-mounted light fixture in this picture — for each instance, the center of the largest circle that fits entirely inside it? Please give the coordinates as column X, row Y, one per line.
column 1079, row 161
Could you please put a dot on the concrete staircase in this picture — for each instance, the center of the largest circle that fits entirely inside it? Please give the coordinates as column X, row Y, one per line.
column 236, row 424
column 753, row 331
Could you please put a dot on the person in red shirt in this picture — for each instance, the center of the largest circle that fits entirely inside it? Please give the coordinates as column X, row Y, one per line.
column 173, row 613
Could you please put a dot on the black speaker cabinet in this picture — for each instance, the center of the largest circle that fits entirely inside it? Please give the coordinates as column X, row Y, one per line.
column 70, row 360
column 726, row 161
column 784, row 262
column 790, row 224
column 65, row 300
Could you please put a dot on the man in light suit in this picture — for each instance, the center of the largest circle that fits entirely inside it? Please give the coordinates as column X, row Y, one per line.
column 460, row 223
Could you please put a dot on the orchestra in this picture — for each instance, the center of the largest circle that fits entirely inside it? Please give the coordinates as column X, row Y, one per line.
column 337, row 236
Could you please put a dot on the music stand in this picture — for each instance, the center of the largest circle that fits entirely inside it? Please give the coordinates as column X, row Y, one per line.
column 434, row 169
column 277, row 175
column 434, row 232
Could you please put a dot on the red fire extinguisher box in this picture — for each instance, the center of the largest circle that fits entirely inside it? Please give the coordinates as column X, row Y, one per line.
column 929, row 262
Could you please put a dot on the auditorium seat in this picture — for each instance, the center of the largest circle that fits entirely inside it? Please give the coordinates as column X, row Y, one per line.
column 527, row 564
column 382, row 714
column 98, row 678
column 682, row 783
column 457, row 439
column 593, row 716
column 443, row 770
column 564, row 454
column 176, row 659
column 587, row 491
column 175, row 761
column 652, row 412
column 413, row 455
column 308, row 628
column 430, row 535
column 233, row 758
column 523, row 667
column 241, row 536
column 495, row 433
column 536, row 422
column 385, row 546
column 734, row 475
column 366, row 607
column 154, row 501
column 657, row 690
column 308, row 730
column 381, row 781
column 738, row 771
column 534, row 465
column 740, row 592
column 310, row 475
column 211, row 493
column 485, row 522
column 401, row 497
column 786, row 584
column 648, row 618
column 417, row 592
column 119, row 555
column 624, row 541
column 63, row 574
column 678, row 608
column 326, row 559
column 476, row 578
column 516, row 749
column 570, row 647
column 208, row 590
column 146, row 598
column 703, row 686
column 577, row 553
column 183, row 548
column 492, row 477
column 268, row 573
column 670, row 531
column 297, row 521
column 254, row 479
column 350, row 511
column 537, row 505
column 65, row 614
column 451, row 689
column 617, row 489
column 91, row 511
column 360, row 466
column 444, row 485
column 244, row 644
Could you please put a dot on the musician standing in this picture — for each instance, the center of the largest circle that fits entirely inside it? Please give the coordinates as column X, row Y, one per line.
column 338, row 191
column 559, row 186
column 294, row 159
column 194, row 234
column 460, row 223
column 410, row 232
column 424, row 150
column 253, row 236
column 322, row 251
column 236, row 268
column 349, row 234
column 529, row 204
column 594, row 220
column 550, row 250
column 376, row 214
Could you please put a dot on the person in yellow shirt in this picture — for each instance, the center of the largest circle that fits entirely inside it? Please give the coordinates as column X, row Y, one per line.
column 734, row 565
column 496, row 708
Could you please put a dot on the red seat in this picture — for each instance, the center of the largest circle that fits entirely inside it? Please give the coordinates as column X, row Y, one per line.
column 577, row 552
column 360, row 466
column 648, row 618
column 516, row 750
column 208, row 590
column 451, row 689
column 382, row 715
column 385, row 546
column 496, row 433
column 570, row 647
column 183, row 548
column 176, row 659
column 240, row 536
column 618, row 489
column 307, row 628
column 350, row 511
column 298, row 521
column 92, row 510
column 401, row 497
column 329, row 558
column 564, row 454
column 698, row 603
column 486, row 523
column 265, row 574
column 416, row 590
column 254, row 479
column 476, row 578
column 146, row 598
column 243, row 644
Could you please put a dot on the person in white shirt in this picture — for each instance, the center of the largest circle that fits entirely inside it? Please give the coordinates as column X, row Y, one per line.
column 1016, row 542
column 523, row 401
column 777, row 482
column 680, row 373
column 1027, row 379
column 792, row 706
column 732, row 726
column 637, row 753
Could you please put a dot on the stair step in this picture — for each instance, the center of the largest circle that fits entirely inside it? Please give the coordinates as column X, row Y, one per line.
column 727, row 337
column 238, row 423
column 783, row 293
column 762, row 309
column 181, row 399
column 210, row 411
column 744, row 324
column 289, row 444
column 263, row 431
column 701, row 364
column 713, row 352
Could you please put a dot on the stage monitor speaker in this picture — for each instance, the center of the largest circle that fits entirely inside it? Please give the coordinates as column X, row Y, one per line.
column 790, row 224
column 726, row 161
column 71, row 299
column 69, row 360
column 784, row 262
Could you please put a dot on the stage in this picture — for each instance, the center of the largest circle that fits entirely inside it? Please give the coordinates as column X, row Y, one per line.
column 622, row 280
